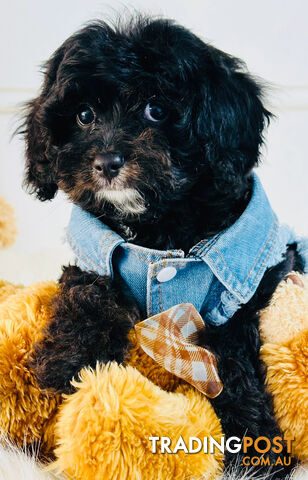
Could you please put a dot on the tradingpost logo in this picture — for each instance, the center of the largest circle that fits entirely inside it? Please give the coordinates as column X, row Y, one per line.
column 233, row 445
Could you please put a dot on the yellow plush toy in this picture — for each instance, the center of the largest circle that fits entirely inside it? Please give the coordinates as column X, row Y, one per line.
column 27, row 413
column 284, row 331
column 115, row 409
column 8, row 229
column 111, row 415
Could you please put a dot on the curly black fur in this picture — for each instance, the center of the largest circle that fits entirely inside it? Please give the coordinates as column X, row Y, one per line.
column 192, row 169
column 191, row 173
column 92, row 316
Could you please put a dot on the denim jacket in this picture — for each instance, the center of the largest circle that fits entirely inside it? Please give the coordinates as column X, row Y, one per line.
column 217, row 275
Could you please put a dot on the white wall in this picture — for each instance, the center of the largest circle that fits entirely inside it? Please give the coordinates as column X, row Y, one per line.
column 270, row 35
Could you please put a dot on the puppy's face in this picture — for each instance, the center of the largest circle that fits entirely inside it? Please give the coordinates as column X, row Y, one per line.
column 131, row 120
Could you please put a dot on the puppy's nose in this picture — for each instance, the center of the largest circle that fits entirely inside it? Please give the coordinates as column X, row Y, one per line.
column 108, row 164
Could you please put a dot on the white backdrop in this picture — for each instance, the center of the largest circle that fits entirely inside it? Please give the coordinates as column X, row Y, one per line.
column 270, row 35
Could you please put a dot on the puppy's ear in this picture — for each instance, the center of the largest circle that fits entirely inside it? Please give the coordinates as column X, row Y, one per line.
column 230, row 121
column 40, row 173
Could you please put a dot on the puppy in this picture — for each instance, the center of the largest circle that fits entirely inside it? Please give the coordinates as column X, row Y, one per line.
column 154, row 133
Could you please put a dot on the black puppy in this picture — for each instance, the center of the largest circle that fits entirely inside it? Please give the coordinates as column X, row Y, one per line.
column 156, row 133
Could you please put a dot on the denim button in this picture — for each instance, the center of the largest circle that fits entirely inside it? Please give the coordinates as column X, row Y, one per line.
column 166, row 274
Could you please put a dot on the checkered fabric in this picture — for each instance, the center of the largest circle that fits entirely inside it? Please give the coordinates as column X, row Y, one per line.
column 169, row 338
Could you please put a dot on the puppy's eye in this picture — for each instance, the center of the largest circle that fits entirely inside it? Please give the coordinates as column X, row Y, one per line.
column 155, row 113
column 86, row 115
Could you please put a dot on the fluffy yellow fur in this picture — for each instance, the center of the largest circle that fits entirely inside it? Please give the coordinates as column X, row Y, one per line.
column 8, row 228
column 111, row 399
column 287, row 313
column 284, row 329
column 287, row 380
column 103, row 428
column 7, row 289
column 27, row 414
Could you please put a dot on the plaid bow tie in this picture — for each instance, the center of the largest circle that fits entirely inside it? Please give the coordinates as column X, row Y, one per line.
column 169, row 338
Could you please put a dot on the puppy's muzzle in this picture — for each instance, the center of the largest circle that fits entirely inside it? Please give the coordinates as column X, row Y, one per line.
column 108, row 164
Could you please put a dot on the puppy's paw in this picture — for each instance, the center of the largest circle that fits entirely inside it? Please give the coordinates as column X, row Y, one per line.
column 90, row 323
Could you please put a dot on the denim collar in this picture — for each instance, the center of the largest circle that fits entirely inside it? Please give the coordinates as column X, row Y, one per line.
column 238, row 256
